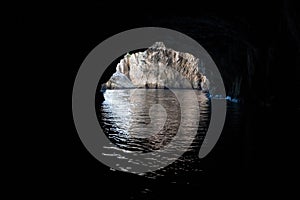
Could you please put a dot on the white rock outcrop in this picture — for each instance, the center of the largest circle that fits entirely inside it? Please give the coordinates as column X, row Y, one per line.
column 158, row 67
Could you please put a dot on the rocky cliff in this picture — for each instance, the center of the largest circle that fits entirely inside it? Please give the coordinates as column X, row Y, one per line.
column 158, row 67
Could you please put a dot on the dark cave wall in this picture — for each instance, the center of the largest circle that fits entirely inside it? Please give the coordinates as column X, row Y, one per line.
column 229, row 45
column 256, row 45
column 252, row 54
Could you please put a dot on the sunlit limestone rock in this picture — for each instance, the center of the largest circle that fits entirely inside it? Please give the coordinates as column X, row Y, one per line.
column 158, row 67
column 118, row 81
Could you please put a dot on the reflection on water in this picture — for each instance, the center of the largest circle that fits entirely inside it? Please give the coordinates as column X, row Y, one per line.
column 146, row 120
column 140, row 120
column 124, row 116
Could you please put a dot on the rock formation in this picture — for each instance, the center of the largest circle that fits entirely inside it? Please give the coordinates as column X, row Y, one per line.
column 158, row 67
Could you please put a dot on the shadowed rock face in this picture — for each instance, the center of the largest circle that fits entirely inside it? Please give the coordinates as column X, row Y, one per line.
column 158, row 67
